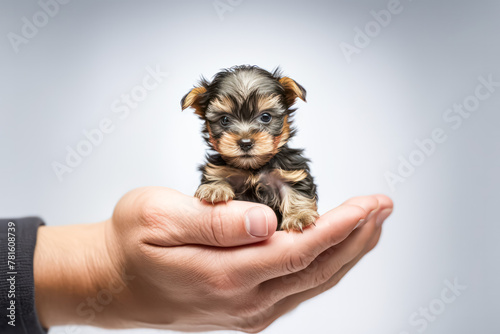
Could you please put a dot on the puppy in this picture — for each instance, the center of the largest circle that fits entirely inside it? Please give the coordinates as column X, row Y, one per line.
column 247, row 113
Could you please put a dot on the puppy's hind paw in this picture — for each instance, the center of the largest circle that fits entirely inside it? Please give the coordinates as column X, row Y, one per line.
column 213, row 192
column 298, row 221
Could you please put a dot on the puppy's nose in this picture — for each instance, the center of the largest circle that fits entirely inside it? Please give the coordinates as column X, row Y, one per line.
column 245, row 144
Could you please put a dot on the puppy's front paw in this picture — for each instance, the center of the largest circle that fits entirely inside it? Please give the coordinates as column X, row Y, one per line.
column 215, row 192
column 299, row 220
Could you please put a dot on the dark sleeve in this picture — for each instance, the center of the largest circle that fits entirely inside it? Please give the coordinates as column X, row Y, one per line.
column 17, row 287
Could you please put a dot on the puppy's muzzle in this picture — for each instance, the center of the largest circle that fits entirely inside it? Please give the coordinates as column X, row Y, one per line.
column 246, row 144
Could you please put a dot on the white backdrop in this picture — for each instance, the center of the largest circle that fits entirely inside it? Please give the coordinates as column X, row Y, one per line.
column 376, row 86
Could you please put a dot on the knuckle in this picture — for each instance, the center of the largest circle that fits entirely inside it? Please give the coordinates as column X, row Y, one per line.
column 357, row 210
column 259, row 328
column 297, row 261
column 152, row 218
column 216, row 224
column 255, row 323
column 322, row 277
column 367, row 203
column 148, row 210
column 148, row 213
column 253, row 309
column 326, row 274
column 264, row 303
column 249, row 310
column 248, row 328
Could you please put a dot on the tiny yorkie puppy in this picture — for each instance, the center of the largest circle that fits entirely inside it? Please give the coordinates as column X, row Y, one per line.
column 247, row 121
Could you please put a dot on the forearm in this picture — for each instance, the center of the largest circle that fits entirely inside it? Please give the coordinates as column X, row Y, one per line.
column 71, row 265
column 17, row 241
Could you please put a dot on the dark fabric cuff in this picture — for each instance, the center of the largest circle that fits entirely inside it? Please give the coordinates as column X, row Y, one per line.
column 17, row 287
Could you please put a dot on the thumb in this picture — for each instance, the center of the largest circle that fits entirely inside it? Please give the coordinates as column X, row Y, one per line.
column 230, row 224
column 187, row 220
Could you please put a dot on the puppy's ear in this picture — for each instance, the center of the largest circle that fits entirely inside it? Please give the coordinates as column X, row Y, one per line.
column 192, row 99
column 292, row 90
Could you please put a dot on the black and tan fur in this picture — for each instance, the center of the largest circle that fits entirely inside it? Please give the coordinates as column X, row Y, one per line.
column 247, row 122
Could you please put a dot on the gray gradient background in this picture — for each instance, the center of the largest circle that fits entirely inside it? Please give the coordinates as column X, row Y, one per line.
column 359, row 118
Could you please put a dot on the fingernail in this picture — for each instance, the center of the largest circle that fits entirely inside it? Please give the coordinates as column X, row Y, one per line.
column 382, row 216
column 256, row 222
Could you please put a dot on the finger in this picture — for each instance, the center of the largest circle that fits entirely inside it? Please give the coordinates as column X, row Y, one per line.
column 323, row 267
column 384, row 201
column 178, row 219
column 291, row 302
column 286, row 253
column 385, row 209
column 385, row 205
column 263, row 319
column 334, row 280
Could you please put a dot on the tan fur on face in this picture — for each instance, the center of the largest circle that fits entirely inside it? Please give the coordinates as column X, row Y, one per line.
column 252, row 162
column 285, row 134
column 263, row 144
column 211, row 138
column 268, row 102
column 222, row 104
column 264, row 149
column 228, row 145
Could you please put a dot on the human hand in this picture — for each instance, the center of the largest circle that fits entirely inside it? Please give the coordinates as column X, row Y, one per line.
column 188, row 265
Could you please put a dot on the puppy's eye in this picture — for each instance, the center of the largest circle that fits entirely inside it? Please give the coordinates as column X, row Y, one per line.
column 265, row 118
column 224, row 121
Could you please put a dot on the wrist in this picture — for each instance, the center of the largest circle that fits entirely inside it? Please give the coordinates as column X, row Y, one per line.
column 71, row 265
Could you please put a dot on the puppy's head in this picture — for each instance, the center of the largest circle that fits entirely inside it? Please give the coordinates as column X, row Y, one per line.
column 246, row 112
